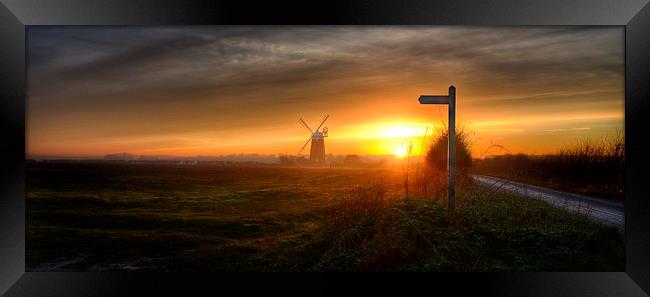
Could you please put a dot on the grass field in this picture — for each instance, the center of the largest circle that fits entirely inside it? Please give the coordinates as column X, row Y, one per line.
column 164, row 217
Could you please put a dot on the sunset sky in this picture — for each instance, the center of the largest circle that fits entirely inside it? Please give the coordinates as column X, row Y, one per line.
column 188, row 91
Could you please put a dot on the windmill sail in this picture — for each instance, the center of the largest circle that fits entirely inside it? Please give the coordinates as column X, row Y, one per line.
column 303, row 147
column 305, row 125
column 323, row 121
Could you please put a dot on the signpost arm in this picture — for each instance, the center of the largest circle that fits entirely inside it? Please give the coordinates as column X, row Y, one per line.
column 451, row 153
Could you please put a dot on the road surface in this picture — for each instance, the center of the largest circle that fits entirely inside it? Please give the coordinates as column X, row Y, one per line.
column 601, row 210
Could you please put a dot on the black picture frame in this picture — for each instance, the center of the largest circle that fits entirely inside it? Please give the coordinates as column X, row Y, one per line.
column 16, row 14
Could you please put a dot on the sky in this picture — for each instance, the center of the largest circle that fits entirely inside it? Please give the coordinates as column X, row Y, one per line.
column 219, row 90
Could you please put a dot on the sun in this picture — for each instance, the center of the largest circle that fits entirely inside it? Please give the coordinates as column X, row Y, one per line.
column 400, row 152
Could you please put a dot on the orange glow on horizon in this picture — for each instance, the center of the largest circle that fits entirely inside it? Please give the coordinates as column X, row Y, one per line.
column 517, row 134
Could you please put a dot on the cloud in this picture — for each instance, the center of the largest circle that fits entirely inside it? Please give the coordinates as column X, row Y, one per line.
column 490, row 59
column 147, row 80
column 568, row 129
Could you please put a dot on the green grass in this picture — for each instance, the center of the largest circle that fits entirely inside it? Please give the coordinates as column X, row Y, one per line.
column 104, row 216
column 491, row 231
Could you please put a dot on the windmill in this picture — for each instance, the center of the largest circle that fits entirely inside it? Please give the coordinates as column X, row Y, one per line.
column 317, row 151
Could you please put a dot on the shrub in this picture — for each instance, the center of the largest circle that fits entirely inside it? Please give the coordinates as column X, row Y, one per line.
column 437, row 154
column 590, row 167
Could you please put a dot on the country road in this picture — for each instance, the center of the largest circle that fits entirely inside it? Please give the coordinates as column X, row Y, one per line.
column 600, row 210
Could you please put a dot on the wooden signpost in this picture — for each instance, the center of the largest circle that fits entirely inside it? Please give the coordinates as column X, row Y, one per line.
column 450, row 100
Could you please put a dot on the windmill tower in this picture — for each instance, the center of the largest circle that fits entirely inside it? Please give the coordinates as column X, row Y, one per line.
column 317, row 151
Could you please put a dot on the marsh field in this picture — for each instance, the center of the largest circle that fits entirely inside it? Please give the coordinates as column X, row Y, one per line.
column 115, row 216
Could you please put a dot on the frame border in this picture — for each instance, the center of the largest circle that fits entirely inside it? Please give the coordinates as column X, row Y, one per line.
column 15, row 15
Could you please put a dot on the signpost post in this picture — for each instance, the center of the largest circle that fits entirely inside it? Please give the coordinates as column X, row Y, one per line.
column 450, row 100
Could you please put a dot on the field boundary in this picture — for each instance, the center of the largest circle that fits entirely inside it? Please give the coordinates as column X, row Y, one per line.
column 601, row 210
